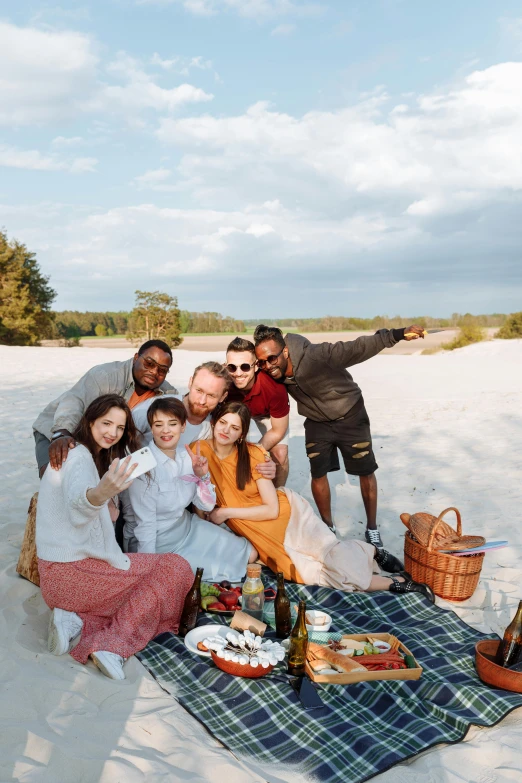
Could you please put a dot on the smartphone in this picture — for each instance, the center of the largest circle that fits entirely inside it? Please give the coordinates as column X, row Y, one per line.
column 145, row 459
column 307, row 693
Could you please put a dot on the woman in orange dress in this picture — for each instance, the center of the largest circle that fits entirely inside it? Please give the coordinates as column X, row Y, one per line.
column 281, row 524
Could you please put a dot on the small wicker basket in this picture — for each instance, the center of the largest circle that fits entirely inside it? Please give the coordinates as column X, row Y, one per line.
column 451, row 577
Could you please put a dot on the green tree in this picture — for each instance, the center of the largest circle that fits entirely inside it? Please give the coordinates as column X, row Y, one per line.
column 155, row 316
column 25, row 296
column 512, row 329
column 100, row 330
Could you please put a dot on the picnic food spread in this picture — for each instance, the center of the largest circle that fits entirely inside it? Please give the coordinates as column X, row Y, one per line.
column 220, row 597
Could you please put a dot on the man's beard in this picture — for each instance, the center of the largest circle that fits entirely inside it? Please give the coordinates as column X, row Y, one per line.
column 200, row 410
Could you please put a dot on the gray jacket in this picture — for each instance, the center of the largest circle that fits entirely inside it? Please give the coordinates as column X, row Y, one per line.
column 65, row 412
column 323, row 389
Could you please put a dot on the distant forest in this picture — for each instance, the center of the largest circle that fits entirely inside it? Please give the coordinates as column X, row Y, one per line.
column 331, row 323
column 71, row 323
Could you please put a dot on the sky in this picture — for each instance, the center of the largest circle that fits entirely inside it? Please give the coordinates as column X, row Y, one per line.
column 267, row 158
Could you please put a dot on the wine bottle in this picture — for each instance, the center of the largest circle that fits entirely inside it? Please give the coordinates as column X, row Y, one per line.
column 189, row 615
column 510, row 650
column 298, row 644
column 283, row 617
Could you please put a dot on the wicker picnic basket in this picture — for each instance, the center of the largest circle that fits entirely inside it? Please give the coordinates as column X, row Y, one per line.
column 450, row 576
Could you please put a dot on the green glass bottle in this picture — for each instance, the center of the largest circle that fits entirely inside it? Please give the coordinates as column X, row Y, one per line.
column 189, row 615
column 283, row 617
column 298, row 644
column 510, row 650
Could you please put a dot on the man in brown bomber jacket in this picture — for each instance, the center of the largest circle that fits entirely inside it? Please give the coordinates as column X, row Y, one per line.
column 326, row 394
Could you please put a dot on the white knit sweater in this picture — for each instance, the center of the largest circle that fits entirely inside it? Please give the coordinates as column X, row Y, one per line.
column 68, row 527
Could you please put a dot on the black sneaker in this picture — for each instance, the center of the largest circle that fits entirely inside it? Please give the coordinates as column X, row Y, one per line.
column 374, row 537
column 409, row 586
column 388, row 562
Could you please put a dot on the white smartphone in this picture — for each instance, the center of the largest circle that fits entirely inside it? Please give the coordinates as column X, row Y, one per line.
column 145, row 459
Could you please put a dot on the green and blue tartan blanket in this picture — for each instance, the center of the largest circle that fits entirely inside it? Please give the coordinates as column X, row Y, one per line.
column 364, row 728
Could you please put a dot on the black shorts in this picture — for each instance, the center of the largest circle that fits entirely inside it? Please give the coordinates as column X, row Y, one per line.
column 351, row 435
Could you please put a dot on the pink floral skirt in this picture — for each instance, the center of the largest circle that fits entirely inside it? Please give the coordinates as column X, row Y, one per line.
column 121, row 610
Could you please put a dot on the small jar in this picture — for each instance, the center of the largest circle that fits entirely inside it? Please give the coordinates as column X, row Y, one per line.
column 253, row 592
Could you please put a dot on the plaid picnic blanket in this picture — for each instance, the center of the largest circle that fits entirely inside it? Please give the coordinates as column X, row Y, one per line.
column 363, row 729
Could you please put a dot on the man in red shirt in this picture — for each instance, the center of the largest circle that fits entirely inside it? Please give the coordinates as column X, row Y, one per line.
column 266, row 399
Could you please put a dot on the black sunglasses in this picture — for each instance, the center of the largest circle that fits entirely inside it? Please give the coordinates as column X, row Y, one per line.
column 232, row 368
column 272, row 359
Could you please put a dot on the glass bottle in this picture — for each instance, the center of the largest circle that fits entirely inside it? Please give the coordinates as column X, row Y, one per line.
column 298, row 644
column 283, row 617
column 510, row 650
column 253, row 592
column 189, row 615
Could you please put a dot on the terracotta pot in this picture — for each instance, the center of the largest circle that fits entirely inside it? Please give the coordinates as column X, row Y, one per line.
column 493, row 674
column 240, row 669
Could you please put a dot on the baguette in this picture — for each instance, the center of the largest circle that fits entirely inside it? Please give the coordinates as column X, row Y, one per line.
column 343, row 663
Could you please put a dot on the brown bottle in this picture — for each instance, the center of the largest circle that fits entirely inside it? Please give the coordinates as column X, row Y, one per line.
column 283, row 618
column 510, row 650
column 298, row 644
column 189, row 615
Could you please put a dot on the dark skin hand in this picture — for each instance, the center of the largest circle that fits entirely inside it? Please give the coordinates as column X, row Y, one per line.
column 59, row 449
column 415, row 333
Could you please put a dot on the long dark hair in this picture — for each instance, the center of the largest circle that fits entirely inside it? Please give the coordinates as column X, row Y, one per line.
column 243, row 471
column 128, row 442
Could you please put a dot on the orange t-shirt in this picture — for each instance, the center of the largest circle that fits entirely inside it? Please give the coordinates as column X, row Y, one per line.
column 135, row 399
column 267, row 536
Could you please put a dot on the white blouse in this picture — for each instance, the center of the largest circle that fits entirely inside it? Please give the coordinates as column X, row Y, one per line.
column 155, row 506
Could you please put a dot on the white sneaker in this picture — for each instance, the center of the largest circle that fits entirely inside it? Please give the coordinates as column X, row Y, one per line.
column 109, row 664
column 63, row 627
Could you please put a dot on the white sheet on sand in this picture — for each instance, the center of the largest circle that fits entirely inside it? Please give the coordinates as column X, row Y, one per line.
column 447, row 431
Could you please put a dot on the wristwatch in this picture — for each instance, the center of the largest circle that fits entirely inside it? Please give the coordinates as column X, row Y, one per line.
column 57, row 435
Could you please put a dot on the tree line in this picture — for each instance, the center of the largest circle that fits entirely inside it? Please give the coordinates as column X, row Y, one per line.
column 26, row 317
column 331, row 323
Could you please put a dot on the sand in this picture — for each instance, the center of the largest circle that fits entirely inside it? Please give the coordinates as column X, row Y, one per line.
column 447, row 431
column 219, row 342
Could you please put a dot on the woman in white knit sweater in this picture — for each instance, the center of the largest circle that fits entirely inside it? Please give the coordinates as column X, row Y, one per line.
column 117, row 602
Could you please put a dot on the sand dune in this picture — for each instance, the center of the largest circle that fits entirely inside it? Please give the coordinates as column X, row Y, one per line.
column 447, row 430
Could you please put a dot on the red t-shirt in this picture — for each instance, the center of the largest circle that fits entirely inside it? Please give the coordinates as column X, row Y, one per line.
column 265, row 398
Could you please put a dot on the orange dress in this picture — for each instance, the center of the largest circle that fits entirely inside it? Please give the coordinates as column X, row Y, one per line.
column 267, row 536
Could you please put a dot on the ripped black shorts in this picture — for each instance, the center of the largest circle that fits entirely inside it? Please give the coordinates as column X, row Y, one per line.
column 351, row 435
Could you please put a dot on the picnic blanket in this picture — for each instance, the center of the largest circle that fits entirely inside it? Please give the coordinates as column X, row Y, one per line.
column 365, row 728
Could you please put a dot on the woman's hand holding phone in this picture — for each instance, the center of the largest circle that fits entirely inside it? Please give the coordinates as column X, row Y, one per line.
column 113, row 482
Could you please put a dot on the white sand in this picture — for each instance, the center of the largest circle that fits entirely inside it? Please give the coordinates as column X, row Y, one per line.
column 447, row 431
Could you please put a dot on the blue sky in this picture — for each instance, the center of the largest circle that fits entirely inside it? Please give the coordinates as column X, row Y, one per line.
column 267, row 157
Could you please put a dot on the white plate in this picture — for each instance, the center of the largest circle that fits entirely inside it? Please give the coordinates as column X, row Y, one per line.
column 200, row 633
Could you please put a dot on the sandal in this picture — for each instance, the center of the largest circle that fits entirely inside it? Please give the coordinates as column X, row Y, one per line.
column 388, row 562
column 409, row 586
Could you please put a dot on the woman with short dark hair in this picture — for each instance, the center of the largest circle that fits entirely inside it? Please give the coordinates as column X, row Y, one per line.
column 116, row 602
column 156, row 512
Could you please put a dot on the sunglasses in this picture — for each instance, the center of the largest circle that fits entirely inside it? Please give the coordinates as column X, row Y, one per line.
column 232, row 368
column 272, row 359
column 150, row 364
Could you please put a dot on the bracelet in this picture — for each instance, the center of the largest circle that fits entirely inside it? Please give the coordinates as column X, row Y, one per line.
column 206, row 478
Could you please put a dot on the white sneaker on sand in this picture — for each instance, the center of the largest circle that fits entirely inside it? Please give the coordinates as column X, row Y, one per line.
column 63, row 627
column 109, row 664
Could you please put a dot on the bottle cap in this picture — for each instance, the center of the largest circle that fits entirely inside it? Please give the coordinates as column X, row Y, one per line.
column 253, row 571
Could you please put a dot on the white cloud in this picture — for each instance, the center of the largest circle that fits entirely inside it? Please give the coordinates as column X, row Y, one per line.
column 283, row 29
column 33, row 160
column 260, row 10
column 52, row 76
column 67, row 141
column 152, row 178
column 43, row 74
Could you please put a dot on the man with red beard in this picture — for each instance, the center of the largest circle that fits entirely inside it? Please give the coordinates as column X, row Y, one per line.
column 208, row 386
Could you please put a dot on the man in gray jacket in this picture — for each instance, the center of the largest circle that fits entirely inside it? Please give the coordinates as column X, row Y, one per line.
column 325, row 392
column 136, row 380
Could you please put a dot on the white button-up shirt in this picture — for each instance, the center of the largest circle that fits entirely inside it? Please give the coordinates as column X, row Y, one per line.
column 155, row 505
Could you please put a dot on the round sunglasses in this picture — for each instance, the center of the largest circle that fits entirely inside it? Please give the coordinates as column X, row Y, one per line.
column 232, row 368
